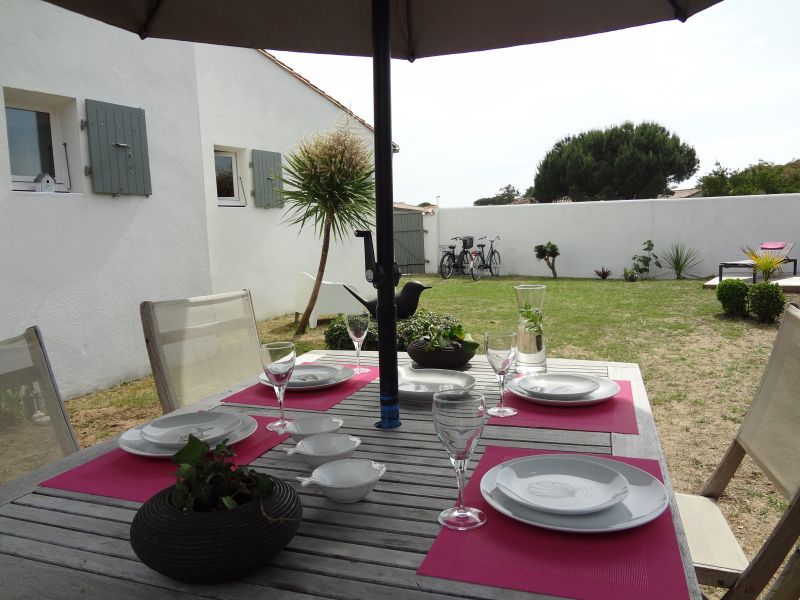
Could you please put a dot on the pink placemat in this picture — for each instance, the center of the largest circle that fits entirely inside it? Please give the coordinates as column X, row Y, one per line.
column 119, row 474
column 644, row 562
column 263, row 395
column 617, row 415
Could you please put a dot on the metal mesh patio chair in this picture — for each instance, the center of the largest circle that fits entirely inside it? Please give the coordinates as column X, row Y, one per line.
column 770, row 435
column 200, row 346
column 34, row 426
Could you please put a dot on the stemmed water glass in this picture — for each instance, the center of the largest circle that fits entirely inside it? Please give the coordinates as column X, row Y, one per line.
column 501, row 350
column 278, row 360
column 357, row 326
column 458, row 417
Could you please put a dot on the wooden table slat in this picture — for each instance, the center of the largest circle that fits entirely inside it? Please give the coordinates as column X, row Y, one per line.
column 78, row 543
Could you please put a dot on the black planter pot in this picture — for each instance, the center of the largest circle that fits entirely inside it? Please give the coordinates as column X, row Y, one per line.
column 443, row 358
column 209, row 547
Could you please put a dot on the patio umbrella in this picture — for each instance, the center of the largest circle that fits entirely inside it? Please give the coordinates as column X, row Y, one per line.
column 407, row 29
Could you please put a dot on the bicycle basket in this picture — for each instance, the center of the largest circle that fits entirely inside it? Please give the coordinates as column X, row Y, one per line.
column 467, row 241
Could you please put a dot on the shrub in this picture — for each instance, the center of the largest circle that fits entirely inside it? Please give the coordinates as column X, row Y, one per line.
column 630, row 274
column 681, row 259
column 766, row 302
column 548, row 253
column 732, row 294
column 764, row 261
column 641, row 262
column 408, row 330
column 603, row 273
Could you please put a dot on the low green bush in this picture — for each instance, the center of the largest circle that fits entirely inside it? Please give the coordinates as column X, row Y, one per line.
column 408, row 330
column 630, row 274
column 732, row 294
column 766, row 302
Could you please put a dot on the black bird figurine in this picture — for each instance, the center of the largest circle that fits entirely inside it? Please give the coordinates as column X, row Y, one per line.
column 407, row 300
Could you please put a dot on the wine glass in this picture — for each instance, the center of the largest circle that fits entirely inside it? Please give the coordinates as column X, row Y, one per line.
column 459, row 416
column 278, row 360
column 501, row 350
column 357, row 326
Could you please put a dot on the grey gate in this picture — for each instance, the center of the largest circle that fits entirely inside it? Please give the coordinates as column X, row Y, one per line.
column 409, row 246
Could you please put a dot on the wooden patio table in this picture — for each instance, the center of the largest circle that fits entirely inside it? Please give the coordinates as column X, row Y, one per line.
column 60, row 544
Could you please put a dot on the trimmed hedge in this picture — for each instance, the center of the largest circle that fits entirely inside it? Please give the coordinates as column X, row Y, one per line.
column 408, row 330
column 766, row 302
column 732, row 294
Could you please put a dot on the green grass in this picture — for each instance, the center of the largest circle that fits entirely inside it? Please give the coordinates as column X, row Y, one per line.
column 597, row 319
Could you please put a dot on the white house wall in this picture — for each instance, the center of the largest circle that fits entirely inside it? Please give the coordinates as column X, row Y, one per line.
column 79, row 264
column 248, row 102
column 594, row 234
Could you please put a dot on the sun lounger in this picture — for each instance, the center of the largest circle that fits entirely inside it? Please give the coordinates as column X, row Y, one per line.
column 779, row 248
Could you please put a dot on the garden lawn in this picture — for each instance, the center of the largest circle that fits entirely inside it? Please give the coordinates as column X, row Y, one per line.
column 701, row 369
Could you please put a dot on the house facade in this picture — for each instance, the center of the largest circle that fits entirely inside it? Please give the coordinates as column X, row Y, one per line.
column 138, row 170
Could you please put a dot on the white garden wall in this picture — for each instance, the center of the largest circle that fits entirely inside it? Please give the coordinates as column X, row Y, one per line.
column 79, row 264
column 594, row 234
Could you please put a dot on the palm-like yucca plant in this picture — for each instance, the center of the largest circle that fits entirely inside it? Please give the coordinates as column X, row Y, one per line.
column 764, row 261
column 681, row 259
column 331, row 188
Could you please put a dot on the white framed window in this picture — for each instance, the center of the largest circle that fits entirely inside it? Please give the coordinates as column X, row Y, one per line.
column 229, row 188
column 36, row 141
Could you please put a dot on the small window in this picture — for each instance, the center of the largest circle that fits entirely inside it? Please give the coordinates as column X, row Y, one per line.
column 30, row 144
column 227, row 176
column 37, row 140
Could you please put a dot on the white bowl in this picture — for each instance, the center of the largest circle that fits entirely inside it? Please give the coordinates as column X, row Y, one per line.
column 346, row 481
column 326, row 447
column 300, row 429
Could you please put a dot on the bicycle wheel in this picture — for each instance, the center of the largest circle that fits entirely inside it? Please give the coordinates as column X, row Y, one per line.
column 494, row 264
column 447, row 266
column 463, row 263
column 477, row 267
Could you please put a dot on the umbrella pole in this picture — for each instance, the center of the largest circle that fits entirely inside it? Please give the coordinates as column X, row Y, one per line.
column 386, row 309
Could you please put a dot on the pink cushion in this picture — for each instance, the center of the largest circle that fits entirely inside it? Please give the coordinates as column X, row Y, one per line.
column 773, row 245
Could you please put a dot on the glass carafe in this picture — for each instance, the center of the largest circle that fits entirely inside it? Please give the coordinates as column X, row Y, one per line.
column 531, row 355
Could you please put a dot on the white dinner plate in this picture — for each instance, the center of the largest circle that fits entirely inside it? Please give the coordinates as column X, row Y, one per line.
column 558, row 386
column 607, row 390
column 567, row 485
column 132, row 441
column 646, row 500
column 419, row 385
column 173, row 431
column 310, row 377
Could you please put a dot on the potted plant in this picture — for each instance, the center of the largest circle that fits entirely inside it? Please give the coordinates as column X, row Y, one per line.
column 446, row 347
column 218, row 522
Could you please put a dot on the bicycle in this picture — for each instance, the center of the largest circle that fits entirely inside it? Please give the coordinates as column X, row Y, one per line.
column 492, row 259
column 466, row 262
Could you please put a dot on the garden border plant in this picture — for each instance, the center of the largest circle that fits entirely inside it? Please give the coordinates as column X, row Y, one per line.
column 408, row 330
column 681, row 259
column 766, row 302
column 732, row 294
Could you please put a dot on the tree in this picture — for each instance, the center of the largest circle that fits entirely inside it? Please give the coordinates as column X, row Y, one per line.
column 506, row 195
column 761, row 178
column 548, row 253
column 332, row 188
column 620, row 162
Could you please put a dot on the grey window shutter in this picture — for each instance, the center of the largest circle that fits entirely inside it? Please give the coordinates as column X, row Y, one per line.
column 117, row 149
column 267, row 170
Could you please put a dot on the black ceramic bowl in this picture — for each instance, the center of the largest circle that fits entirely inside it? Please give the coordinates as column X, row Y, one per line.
column 443, row 358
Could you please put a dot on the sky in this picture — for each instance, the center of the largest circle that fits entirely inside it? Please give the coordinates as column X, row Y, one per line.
column 727, row 82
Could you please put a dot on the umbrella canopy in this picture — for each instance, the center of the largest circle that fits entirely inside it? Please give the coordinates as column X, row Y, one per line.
column 418, row 28
column 406, row 29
